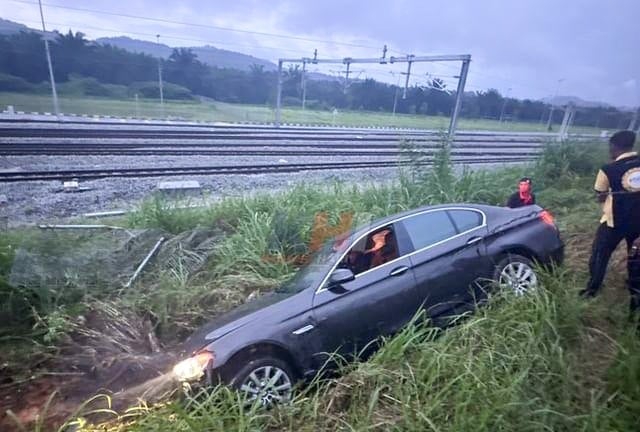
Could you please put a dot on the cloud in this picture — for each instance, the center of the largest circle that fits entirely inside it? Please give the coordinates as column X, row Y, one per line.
column 526, row 45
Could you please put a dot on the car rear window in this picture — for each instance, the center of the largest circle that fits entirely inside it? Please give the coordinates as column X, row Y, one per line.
column 466, row 219
column 429, row 228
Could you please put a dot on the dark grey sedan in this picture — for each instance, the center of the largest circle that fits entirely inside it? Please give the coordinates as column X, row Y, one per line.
column 370, row 284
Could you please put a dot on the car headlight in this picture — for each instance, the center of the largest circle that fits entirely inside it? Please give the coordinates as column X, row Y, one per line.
column 192, row 368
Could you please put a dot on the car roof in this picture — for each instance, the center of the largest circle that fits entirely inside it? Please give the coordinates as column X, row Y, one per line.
column 389, row 219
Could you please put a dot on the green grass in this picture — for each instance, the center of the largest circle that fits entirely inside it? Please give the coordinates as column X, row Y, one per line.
column 218, row 111
column 544, row 362
column 514, row 366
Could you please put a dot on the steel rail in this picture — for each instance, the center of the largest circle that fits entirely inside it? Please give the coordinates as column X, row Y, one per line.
column 91, row 174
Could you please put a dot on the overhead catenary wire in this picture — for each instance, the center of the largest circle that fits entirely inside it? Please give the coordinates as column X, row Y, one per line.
column 174, row 37
column 208, row 26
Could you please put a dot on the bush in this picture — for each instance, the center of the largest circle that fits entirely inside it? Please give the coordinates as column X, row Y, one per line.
column 87, row 86
column 291, row 101
column 149, row 89
column 567, row 160
column 318, row 105
column 15, row 84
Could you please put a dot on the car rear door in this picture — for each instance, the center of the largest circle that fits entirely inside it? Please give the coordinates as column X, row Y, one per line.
column 449, row 256
column 379, row 301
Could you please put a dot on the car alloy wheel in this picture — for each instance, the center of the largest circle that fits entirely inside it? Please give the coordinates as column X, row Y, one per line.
column 267, row 385
column 519, row 277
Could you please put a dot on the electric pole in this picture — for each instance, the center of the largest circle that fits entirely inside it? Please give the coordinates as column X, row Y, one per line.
column 279, row 93
column 160, row 79
column 395, row 93
column 346, row 77
column 303, row 83
column 504, row 105
column 553, row 101
column 408, row 73
column 54, row 93
column 462, row 81
column 634, row 119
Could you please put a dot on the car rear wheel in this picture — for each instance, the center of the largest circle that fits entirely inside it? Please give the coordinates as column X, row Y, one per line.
column 267, row 381
column 516, row 274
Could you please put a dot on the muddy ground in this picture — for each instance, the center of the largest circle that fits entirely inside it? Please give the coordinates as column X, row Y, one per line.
column 109, row 351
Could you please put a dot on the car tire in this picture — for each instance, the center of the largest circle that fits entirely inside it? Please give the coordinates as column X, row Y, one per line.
column 266, row 380
column 516, row 274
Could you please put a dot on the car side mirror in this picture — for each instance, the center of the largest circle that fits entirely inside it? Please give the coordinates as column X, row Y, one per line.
column 340, row 276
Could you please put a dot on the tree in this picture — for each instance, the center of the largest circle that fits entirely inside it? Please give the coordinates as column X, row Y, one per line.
column 70, row 52
column 23, row 63
column 23, row 55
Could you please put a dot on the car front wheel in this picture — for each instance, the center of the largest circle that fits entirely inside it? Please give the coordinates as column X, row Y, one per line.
column 267, row 381
column 516, row 274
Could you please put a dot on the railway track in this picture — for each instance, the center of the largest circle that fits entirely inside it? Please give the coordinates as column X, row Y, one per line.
column 118, row 138
column 16, row 134
column 174, row 150
column 92, row 174
column 115, row 146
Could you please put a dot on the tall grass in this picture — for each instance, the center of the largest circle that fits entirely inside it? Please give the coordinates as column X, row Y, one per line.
column 277, row 226
column 509, row 367
column 519, row 364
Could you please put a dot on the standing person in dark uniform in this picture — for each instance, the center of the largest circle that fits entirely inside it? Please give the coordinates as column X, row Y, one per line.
column 524, row 196
column 618, row 188
column 633, row 265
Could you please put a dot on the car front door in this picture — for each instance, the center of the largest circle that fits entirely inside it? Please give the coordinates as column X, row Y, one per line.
column 378, row 301
column 447, row 259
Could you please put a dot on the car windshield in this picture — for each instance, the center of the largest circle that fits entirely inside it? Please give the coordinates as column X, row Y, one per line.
column 320, row 263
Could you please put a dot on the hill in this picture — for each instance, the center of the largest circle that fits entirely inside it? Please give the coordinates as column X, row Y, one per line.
column 10, row 27
column 207, row 54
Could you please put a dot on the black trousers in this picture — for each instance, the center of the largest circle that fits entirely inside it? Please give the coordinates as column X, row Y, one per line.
column 633, row 265
column 605, row 242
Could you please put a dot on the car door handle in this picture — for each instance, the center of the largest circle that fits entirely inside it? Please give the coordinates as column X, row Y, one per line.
column 474, row 240
column 398, row 271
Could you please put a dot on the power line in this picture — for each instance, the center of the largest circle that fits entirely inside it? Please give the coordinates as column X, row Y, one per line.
column 190, row 24
column 175, row 37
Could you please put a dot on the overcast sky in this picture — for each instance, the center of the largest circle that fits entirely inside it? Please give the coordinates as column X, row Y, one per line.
column 522, row 45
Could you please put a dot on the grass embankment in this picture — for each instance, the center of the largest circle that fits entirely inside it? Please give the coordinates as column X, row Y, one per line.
column 545, row 362
column 218, row 111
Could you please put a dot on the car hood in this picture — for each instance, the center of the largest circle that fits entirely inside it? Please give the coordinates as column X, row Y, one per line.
column 265, row 307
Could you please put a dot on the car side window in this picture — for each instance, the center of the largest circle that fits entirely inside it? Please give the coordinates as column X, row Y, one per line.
column 373, row 250
column 466, row 219
column 429, row 228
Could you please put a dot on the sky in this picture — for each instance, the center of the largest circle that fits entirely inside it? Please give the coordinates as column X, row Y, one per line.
column 523, row 48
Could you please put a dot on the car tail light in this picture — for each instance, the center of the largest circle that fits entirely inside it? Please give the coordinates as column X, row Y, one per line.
column 547, row 218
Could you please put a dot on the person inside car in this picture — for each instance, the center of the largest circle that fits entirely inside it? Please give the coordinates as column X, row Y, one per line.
column 524, row 196
column 379, row 248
